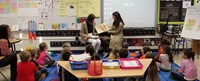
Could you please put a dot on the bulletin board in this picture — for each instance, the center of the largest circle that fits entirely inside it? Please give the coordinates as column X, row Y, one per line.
column 79, row 8
column 17, row 13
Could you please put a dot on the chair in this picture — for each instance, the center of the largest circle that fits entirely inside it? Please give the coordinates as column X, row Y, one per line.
column 1, row 57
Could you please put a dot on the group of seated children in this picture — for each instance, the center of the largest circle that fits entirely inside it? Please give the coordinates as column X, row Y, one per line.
column 33, row 62
column 37, row 59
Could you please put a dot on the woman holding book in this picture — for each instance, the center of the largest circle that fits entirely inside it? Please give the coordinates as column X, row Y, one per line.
column 116, row 31
column 88, row 32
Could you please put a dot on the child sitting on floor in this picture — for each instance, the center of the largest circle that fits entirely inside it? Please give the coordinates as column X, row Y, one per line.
column 123, row 53
column 90, row 49
column 144, row 51
column 65, row 55
column 152, row 72
column 44, row 57
column 188, row 69
column 165, row 58
column 66, row 52
column 25, row 68
column 41, row 69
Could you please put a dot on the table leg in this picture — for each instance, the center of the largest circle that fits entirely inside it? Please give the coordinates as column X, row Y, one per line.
column 12, row 47
column 63, row 74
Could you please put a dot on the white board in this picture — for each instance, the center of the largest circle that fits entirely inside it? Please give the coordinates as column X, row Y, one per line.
column 135, row 13
column 191, row 28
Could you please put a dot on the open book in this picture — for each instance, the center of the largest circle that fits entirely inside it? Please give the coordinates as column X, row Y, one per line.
column 102, row 27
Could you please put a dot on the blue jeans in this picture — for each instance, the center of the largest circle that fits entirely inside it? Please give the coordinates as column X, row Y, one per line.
column 178, row 75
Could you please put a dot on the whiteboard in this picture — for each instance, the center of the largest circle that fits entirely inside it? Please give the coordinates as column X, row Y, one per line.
column 135, row 13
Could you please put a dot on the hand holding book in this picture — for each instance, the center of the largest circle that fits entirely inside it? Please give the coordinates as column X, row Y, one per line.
column 102, row 28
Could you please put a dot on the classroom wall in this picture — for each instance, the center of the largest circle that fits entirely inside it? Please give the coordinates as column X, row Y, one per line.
column 23, row 22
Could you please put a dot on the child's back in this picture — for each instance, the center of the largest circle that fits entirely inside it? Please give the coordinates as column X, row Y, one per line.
column 26, row 69
column 189, row 69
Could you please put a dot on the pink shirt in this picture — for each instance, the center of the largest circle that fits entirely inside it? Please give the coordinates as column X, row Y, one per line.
column 189, row 69
column 41, row 59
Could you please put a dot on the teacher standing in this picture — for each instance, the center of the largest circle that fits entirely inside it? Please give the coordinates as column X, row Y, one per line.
column 88, row 32
column 116, row 31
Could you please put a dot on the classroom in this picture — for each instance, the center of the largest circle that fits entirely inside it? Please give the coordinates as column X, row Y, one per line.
column 99, row 40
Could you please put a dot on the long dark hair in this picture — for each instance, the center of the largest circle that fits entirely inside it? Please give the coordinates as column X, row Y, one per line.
column 118, row 19
column 189, row 53
column 153, row 69
column 167, row 50
column 4, row 31
column 90, row 18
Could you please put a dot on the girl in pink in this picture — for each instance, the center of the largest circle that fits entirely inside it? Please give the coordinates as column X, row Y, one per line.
column 43, row 56
column 188, row 69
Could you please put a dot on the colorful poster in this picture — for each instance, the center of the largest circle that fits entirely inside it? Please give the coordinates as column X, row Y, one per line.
column 8, row 7
column 67, row 8
column 191, row 28
column 86, row 7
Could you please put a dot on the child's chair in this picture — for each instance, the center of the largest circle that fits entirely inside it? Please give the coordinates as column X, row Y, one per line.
column 1, row 57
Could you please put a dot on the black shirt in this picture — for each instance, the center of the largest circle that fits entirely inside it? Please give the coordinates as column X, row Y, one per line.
column 90, row 27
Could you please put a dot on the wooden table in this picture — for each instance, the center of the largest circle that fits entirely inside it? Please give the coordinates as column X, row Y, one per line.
column 13, row 41
column 107, row 73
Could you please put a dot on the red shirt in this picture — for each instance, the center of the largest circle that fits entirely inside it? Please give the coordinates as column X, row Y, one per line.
column 26, row 71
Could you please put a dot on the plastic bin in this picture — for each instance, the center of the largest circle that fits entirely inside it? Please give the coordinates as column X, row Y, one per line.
column 79, row 65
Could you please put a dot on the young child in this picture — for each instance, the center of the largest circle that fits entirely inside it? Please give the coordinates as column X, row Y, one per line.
column 41, row 68
column 44, row 58
column 66, row 52
column 162, row 42
column 144, row 51
column 152, row 74
column 65, row 55
column 124, row 48
column 165, row 58
column 90, row 49
column 123, row 53
column 114, row 54
column 25, row 68
column 188, row 69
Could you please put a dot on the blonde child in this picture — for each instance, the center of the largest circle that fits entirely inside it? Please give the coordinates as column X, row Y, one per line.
column 25, row 68
column 114, row 54
column 44, row 58
column 165, row 58
column 152, row 72
column 65, row 52
column 188, row 69
column 65, row 55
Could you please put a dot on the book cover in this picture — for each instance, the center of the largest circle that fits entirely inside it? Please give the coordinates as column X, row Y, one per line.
column 41, row 26
column 55, row 26
column 63, row 26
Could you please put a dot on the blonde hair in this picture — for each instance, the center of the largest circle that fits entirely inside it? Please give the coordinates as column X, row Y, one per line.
column 66, row 45
column 65, row 50
column 24, row 56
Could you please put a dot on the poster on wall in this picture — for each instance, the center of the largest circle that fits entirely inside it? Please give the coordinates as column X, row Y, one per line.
column 191, row 28
column 8, row 8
